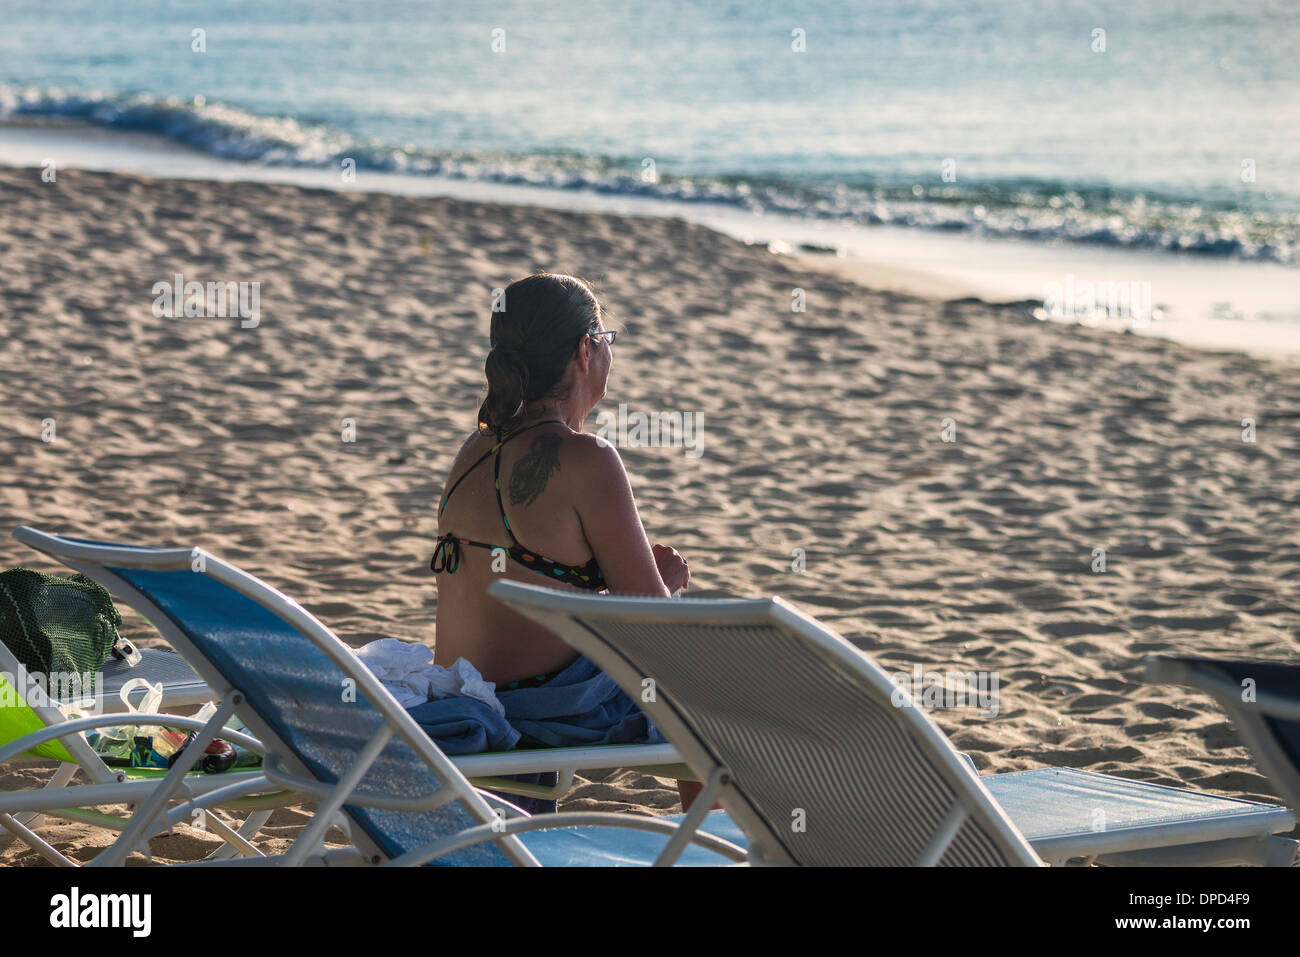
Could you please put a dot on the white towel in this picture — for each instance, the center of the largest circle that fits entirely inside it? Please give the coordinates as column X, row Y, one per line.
column 407, row 670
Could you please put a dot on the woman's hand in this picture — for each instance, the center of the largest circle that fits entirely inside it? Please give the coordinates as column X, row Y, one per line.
column 672, row 568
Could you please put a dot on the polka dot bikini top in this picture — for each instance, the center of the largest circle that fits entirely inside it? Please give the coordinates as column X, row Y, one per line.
column 447, row 557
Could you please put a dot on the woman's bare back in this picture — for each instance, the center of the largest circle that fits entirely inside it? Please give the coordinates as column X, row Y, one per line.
column 541, row 485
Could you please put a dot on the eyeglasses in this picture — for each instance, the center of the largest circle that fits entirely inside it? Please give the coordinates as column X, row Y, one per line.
column 612, row 333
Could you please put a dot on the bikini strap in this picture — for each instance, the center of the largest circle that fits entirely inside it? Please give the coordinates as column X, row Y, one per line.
column 462, row 478
column 496, row 481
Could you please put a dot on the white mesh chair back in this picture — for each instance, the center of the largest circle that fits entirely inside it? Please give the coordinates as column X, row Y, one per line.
column 822, row 768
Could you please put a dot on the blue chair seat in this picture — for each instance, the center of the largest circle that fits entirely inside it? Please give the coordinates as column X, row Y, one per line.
column 624, row 847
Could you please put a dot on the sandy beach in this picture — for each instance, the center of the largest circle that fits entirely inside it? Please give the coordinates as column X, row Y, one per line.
column 823, row 448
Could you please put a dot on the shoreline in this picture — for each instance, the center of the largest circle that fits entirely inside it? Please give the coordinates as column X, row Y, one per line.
column 898, row 259
column 939, row 288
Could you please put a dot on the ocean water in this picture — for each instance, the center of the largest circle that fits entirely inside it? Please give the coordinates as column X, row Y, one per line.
column 996, row 119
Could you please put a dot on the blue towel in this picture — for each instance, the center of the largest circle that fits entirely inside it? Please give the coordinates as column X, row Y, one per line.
column 464, row 726
column 578, row 707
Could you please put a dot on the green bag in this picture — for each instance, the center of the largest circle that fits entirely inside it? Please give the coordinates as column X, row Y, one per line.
column 56, row 625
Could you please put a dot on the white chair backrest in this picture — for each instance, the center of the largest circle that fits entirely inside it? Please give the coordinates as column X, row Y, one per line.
column 824, row 769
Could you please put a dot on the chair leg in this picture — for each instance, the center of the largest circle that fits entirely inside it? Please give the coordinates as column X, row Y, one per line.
column 252, row 824
column 45, row 850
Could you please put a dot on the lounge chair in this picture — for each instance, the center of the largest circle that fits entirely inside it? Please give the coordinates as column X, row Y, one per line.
column 486, row 770
column 331, row 732
column 797, row 732
column 33, row 728
column 1263, row 700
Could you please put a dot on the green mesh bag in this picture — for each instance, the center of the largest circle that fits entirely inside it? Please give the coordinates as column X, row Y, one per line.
column 56, row 625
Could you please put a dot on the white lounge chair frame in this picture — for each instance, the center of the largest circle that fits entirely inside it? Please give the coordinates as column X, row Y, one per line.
column 1242, row 832
column 970, row 805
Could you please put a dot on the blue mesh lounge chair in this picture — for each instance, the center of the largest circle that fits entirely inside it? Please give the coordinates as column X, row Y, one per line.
column 1263, row 700
column 330, row 731
column 183, row 688
column 798, row 736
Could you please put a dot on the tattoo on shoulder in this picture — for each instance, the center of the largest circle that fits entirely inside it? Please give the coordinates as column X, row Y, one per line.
column 529, row 476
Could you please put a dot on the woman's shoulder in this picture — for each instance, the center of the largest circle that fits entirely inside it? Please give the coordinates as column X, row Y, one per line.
column 593, row 451
column 579, row 461
column 554, row 444
column 473, row 446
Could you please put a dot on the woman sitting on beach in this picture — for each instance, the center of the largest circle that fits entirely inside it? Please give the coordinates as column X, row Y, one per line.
column 531, row 496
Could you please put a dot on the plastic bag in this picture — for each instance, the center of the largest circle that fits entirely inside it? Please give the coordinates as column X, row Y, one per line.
column 133, row 745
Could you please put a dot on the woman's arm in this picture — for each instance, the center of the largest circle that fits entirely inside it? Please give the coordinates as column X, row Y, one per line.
column 610, row 522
